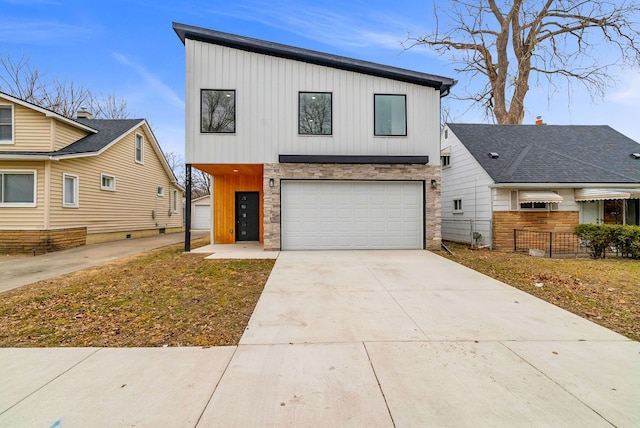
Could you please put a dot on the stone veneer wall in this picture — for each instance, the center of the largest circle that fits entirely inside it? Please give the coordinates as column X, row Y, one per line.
column 370, row 172
column 41, row 241
column 504, row 222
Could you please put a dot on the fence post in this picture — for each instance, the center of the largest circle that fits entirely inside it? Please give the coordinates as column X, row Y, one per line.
column 550, row 244
column 515, row 246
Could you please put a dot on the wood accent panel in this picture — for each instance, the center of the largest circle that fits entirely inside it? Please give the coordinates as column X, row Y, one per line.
column 224, row 211
column 504, row 222
column 42, row 241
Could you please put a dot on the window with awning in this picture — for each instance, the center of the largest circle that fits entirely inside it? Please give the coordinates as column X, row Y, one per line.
column 540, row 196
column 603, row 194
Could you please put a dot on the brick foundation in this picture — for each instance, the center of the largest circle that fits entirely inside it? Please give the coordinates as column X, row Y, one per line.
column 372, row 172
column 41, row 241
column 504, row 222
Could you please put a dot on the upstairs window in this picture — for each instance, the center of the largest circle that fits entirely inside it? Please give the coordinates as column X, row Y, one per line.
column 217, row 111
column 314, row 113
column 390, row 115
column 175, row 201
column 18, row 188
column 160, row 191
column 107, row 182
column 139, row 148
column 6, row 124
column 457, row 205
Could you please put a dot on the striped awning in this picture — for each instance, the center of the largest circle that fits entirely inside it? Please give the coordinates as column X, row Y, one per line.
column 601, row 194
column 539, row 196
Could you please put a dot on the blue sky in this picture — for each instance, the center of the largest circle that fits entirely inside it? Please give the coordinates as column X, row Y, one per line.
column 129, row 48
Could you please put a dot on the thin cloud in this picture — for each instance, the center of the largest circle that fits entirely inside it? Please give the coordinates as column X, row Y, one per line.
column 13, row 30
column 326, row 26
column 153, row 82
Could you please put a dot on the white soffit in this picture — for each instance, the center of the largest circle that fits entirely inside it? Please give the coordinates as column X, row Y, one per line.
column 545, row 196
column 601, row 194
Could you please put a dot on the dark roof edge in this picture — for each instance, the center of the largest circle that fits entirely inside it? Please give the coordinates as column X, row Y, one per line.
column 443, row 84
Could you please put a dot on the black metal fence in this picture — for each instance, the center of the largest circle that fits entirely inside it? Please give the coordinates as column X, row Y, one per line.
column 549, row 244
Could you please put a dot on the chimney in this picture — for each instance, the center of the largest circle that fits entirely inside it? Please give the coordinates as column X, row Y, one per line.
column 539, row 120
column 83, row 113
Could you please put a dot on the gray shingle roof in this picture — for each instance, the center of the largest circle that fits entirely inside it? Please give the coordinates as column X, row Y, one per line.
column 551, row 153
column 443, row 84
column 108, row 131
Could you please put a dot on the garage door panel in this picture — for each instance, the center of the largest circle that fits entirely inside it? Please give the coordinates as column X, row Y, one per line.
column 319, row 214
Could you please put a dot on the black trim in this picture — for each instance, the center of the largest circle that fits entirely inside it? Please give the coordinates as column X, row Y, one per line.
column 354, row 159
column 300, row 93
column 405, row 115
column 443, row 84
column 187, row 209
column 202, row 90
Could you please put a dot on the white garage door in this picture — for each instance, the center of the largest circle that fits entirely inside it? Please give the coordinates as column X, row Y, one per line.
column 320, row 214
column 202, row 217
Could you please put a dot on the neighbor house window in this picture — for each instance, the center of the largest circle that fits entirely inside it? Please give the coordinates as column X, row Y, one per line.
column 6, row 124
column 18, row 188
column 217, row 111
column 457, row 205
column 139, row 148
column 107, row 182
column 533, row 205
column 390, row 115
column 175, row 201
column 445, row 160
column 70, row 191
column 160, row 191
column 314, row 113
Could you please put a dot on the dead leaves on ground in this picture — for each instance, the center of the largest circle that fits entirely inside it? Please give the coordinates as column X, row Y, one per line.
column 162, row 298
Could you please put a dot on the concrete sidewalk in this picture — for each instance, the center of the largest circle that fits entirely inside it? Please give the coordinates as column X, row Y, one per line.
column 350, row 339
column 16, row 271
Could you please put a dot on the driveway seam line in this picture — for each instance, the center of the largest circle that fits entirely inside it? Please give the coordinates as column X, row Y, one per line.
column 215, row 388
column 556, row 382
column 394, row 299
column 51, row 381
column 384, row 397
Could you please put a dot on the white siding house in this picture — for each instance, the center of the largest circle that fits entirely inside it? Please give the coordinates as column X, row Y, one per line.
column 273, row 124
column 543, row 178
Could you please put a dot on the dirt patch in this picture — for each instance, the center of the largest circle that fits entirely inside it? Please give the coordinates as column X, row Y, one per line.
column 606, row 292
column 160, row 298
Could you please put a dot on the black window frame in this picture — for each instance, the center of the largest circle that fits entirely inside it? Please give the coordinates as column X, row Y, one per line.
column 405, row 115
column 202, row 130
column 300, row 94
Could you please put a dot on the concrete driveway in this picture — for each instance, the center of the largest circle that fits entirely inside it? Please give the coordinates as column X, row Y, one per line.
column 351, row 339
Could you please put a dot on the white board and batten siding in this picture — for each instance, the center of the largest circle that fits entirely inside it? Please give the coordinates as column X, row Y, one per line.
column 466, row 180
column 267, row 90
column 330, row 214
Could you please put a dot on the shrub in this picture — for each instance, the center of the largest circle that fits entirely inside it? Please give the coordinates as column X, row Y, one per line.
column 624, row 238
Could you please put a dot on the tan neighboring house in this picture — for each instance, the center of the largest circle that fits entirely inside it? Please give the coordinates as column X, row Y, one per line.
column 69, row 182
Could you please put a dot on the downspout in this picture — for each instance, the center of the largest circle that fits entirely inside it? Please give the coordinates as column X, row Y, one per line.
column 187, row 210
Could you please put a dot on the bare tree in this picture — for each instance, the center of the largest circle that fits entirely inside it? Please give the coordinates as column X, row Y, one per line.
column 20, row 79
column 505, row 43
column 200, row 183
column 200, row 180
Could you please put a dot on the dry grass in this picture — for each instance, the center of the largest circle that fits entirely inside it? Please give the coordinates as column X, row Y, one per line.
column 160, row 298
column 606, row 291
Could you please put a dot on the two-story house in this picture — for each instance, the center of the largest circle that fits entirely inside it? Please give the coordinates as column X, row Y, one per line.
column 66, row 182
column 310, row 150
